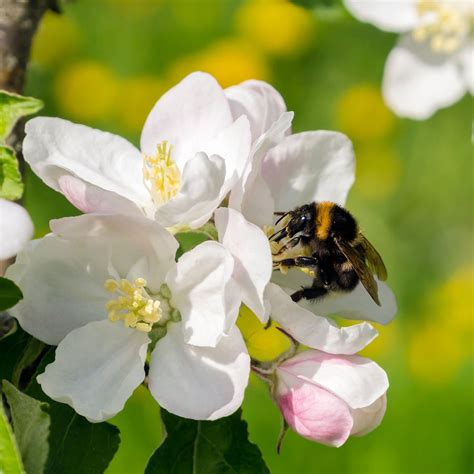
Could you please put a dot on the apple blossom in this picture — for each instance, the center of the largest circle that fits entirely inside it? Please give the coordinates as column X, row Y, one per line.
column 327, row 398
column 16, row 228
column 102, row 287
column 192, row 152
column 298, row 169
column 432, row 66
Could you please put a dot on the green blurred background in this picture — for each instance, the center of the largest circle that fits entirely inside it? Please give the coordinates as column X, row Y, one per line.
column 105, row 62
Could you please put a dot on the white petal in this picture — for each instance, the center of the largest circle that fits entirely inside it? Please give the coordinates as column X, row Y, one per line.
column 310, row 166
column 198, row 286
column 62, row 284
column 252, row 256
column 358, row 305
column 187, row 116
column 466, row 59
column 397, row 16
column 259, row 101
column 199, row 383
column 315, row 331
column 89, row 198
column 368, row 418
column 251, row 195
column 201, row 192
column 233, row 144
column 124, row 240
column 16, row 228
column 96, row 369
column 356, row 380
column 417, row 82
column 54, row 147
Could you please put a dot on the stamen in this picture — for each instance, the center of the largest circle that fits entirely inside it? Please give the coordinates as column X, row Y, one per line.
column 446, row 25
column 161, row 175
column 133, row 304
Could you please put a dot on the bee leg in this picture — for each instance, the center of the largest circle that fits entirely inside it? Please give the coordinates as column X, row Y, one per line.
column 310, row 262
column 290, row 244
column 309, row 293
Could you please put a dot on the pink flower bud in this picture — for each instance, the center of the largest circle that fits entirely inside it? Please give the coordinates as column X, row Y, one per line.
column 327, row 398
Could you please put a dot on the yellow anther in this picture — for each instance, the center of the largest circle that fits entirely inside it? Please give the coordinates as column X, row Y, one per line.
column 110, row 285
column 445, row 26
column 161, row 174
column 133, row 304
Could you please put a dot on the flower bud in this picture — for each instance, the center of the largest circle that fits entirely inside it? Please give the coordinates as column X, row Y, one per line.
column 326, row 398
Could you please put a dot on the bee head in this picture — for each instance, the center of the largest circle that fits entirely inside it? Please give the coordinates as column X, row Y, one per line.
column 343, row 225
column 301, row 220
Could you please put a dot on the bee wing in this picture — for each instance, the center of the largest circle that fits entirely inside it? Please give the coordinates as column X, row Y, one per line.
column 374, row 259
column 363, row 272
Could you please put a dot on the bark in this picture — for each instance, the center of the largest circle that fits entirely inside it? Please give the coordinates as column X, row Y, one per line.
column 19, row 20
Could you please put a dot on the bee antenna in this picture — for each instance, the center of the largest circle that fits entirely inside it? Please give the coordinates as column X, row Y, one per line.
column 282, row 214
column 281, row 231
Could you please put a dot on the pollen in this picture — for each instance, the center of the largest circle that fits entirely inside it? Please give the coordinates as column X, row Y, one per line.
column 447, row 29
column 132, row 305
column 161, row 175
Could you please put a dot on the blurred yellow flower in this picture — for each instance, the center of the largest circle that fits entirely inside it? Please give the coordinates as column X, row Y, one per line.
column 362, row 114
column 230, row 61
column 87, row 90
column 263, row 344
column 443, row 343
column 277, row 27
column 141, row 92
column 58, row 37
column 378, row 171
column 383, row 344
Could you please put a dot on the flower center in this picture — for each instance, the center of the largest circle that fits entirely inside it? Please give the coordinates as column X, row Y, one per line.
column 444, row 25
column 133, row 304
column 161, row 174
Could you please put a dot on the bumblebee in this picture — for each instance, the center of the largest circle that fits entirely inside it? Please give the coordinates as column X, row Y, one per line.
column 324, row 240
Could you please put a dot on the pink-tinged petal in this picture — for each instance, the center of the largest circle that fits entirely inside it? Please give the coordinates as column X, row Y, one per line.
column 356, row 380
column 251, row 194
column 188, row 116
column 315, row 331
column 198, row 285
column 96, row 369
column 368, row 418
column 252, row 256
column 417, row 82
column 199, row 383
column 54, row 147
column 202, row 190
column 16, row 228
column 315, row 413
column 397, row 16
column 89, row 198
column 309, row 166
column 259, row 101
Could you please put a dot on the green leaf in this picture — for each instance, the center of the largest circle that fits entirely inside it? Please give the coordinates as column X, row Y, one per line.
column 189, row 240
column 10, row 461
column 19, row 352
column 12, row 108
column 206, row 447
column 31, row 427
column 10, row 294
column 11, row 185
column 77, row 446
